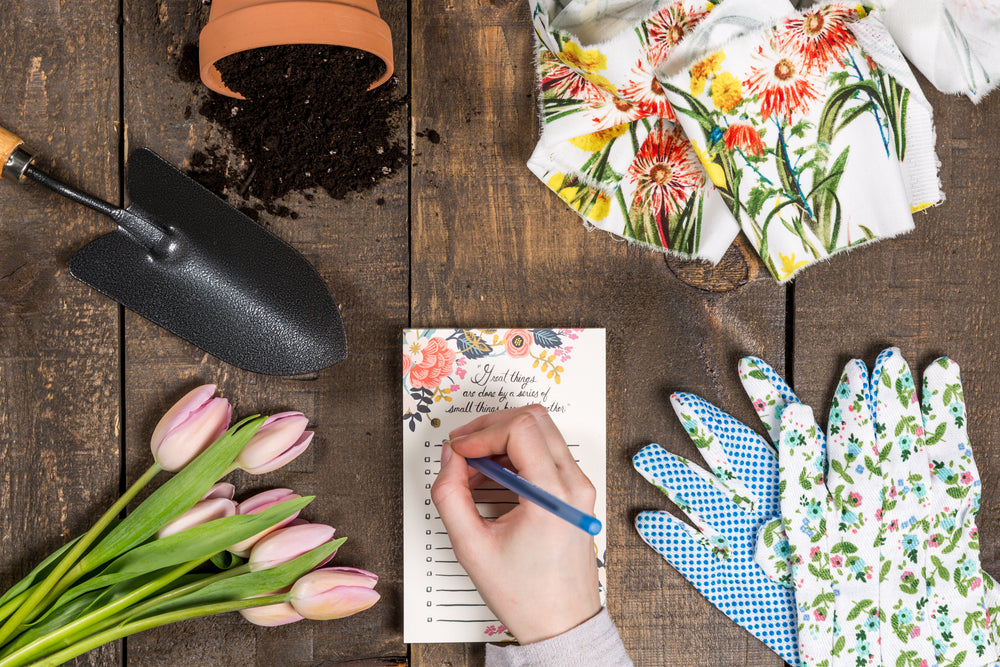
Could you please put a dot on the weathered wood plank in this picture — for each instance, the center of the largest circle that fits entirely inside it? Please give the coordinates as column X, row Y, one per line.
column 59, row 359
column 930, row 293
column 493, row 247
column 360, row 249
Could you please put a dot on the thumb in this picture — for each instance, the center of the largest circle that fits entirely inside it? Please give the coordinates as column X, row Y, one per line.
column 452, row 497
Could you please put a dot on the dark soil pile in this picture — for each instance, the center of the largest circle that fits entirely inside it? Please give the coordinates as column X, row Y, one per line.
column 308, row 121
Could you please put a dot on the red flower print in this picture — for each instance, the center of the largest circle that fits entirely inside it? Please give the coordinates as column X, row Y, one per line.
column 668, row 27
column 759, row 405
column 818, row 615
column 915, row 632
column 933, row 541
column 407, row 363
column 565, row 82
column 518, row 343
column 614, row 110
column 647, row 93
column 437, row 364
column 819, row 36
column 836, row 560
column 855, row 498
column 966, row 477
column 814, row 552
column 666, row 173
column 744, row 136
column 783, row 82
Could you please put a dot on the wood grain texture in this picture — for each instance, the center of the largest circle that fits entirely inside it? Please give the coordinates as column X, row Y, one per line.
column 353, row 467
column 930, row 293
column 491, row 246
column 59, row 354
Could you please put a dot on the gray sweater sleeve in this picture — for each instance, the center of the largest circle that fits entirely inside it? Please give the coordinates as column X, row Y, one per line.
column 594, row 642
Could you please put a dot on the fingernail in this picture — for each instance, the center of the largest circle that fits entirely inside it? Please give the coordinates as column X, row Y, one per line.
column 445, row 453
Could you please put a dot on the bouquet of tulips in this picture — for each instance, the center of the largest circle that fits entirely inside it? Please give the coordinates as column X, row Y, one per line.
column 189, row 549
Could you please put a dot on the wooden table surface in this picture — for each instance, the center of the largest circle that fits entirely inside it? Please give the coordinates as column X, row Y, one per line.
column 466, row 237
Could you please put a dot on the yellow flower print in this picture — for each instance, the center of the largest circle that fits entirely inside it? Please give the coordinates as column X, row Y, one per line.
column 600, row 82
column 860, row 11
column 703, row 69
column 789, row 266
column 597, row 140
column 590, row 60
column 714, row 170
column 727, row 92
column 586, row 200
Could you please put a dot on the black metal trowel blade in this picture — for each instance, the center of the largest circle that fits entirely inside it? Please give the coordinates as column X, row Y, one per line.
column 215, row 278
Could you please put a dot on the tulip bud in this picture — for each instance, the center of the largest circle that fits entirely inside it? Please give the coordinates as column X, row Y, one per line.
column 189, row 427
column 256, row 505
column 334, row 592
column 202, row 512
column 288, row 544
column 280, row 439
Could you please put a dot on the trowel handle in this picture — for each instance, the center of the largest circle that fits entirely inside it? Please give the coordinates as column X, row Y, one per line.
column 14, row 157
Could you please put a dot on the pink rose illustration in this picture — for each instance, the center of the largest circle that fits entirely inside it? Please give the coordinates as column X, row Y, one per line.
column 518, row 343
column 407, row 364
column 437, row 363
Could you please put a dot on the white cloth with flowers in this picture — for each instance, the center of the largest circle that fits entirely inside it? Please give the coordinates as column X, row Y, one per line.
column 806, row 130
column 954, row 43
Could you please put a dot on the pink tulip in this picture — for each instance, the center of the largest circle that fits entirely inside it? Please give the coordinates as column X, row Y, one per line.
column 189, row 427
column 256, row 505
column 334, row 592
column 272, row 614
column 202, row 512
column 281, row 438
column 288, row 544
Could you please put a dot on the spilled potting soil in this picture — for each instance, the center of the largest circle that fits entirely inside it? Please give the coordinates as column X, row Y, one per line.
column 308, row 121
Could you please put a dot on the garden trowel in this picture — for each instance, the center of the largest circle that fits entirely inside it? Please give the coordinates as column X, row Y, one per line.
column 184, row 259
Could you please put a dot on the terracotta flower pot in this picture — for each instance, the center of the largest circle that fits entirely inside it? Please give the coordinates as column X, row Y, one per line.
column 241, row 25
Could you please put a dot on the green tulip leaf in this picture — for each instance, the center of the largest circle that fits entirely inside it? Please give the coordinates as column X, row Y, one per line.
column 195, row 543
column 176, row 496
column 53, row 621
column 38, row 573
column 247, row 585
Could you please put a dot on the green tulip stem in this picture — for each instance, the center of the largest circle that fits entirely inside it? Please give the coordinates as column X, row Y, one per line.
column 85, row 625
column 172, row 594
column 121, row 631
column 54, row 584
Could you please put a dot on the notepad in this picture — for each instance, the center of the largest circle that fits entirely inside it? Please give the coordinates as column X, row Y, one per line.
column 450, row 377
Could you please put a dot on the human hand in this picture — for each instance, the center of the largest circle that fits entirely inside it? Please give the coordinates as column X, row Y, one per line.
column 535, row 571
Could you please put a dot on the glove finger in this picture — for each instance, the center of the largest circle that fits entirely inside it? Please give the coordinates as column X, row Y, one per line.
column 681, row 545
column 902, row 587
column 855, row 476
column 694, row 491
column 945, row 434
column 899, row 422
column 804, row 498
column 768, row 392
column 771, row 552
column 735, row 454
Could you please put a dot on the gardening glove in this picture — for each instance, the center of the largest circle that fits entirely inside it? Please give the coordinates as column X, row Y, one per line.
column 727, row 505
column 954, row 43
column 812, row 128
column 955, row 628
column 610, row 146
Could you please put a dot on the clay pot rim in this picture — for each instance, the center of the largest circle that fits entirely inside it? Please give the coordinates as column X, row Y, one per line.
column 291, row 22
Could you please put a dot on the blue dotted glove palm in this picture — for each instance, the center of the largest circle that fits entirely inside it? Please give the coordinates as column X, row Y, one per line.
column 727, row 505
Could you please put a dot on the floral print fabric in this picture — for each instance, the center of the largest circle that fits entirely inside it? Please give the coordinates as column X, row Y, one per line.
column 803, row 134
column 610, row 146
column 787, row 129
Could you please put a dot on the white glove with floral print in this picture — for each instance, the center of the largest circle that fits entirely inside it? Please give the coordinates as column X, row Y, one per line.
column 930, row 589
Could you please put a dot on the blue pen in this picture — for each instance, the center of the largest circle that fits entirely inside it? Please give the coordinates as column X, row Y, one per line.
column 529, row 491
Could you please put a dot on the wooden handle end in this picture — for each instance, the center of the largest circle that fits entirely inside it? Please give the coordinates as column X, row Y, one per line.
column 8, row 144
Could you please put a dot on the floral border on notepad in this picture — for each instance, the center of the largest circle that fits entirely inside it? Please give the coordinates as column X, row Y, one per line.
column 434, row 363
